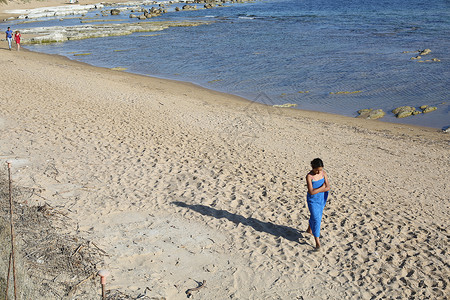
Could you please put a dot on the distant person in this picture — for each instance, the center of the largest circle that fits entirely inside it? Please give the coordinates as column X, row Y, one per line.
column 17, row 37
column 9, row 35
column 318, row 187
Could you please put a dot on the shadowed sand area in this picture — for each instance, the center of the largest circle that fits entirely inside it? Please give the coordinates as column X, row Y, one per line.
column 180, row 184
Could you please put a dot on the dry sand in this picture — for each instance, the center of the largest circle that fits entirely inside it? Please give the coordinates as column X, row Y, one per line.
column 180, row 184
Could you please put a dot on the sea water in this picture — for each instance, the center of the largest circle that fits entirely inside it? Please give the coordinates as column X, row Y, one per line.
column 326, row 55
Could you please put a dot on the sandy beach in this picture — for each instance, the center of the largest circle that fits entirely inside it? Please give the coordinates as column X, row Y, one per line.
column 180, row 184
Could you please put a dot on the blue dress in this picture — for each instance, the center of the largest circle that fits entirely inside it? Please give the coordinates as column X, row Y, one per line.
column 316, row 204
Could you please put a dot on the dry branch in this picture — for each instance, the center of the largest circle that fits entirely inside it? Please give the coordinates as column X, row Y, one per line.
column 200, row 285
column 74, row 288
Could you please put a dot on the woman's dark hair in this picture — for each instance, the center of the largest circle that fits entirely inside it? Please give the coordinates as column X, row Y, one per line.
column 316, row 163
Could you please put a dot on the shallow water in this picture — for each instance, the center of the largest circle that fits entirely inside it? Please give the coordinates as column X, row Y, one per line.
column 279, row 48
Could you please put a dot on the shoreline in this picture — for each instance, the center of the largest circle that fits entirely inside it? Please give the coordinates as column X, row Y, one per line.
column 177, row 183
column 366, row 124
column 389, row 121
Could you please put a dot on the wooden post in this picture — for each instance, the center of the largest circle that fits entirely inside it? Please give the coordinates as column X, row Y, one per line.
column 11, row 214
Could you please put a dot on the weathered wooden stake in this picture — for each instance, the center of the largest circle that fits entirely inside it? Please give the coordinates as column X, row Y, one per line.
column 103, row 274
column 11, row 213
column 7, row 278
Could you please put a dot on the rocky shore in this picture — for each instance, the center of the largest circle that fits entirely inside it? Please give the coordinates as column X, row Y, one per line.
column 65, row 33
column 112, row 27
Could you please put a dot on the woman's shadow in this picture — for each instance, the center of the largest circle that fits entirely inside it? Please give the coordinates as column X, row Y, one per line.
column 286, row 232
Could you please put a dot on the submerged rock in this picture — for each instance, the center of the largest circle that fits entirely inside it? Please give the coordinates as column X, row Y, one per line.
column 372, row 114
column 425, row 52
column 286, row 105
column 118, row 69
column 345, row 92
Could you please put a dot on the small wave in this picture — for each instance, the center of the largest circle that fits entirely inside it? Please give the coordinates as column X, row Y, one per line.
column 210, row 16
column 247, row 18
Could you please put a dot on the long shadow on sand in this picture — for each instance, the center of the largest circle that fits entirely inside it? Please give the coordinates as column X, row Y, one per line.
column 286, row 232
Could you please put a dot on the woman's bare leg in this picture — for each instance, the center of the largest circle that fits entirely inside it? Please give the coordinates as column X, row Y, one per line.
column 317, row 242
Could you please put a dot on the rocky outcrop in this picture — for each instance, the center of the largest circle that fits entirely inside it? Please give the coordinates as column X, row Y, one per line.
column 189, row 7
column 155, row 10
column 115, row 12
column 209, row 5
column 372, row 114
column 404, row 111
column 64, row 33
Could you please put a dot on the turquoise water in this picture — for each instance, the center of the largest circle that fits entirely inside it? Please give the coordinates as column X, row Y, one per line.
column 279, row 48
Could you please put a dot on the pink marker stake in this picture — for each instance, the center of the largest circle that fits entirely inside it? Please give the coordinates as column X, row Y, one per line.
column 103, row 274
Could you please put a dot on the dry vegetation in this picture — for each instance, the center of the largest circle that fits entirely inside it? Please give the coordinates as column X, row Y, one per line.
column 50, row 264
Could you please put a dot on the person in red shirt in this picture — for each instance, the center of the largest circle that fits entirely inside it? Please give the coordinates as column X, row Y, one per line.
column 17, row 39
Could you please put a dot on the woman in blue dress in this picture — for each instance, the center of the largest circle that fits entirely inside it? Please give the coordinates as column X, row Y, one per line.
column 318, row 187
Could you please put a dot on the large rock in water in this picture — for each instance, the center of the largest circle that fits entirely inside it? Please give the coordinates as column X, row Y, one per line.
column 404, row 111
column 155, row 10
column 427, row 109
column 372, row 114
column 189, row 7
column 115, row 12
